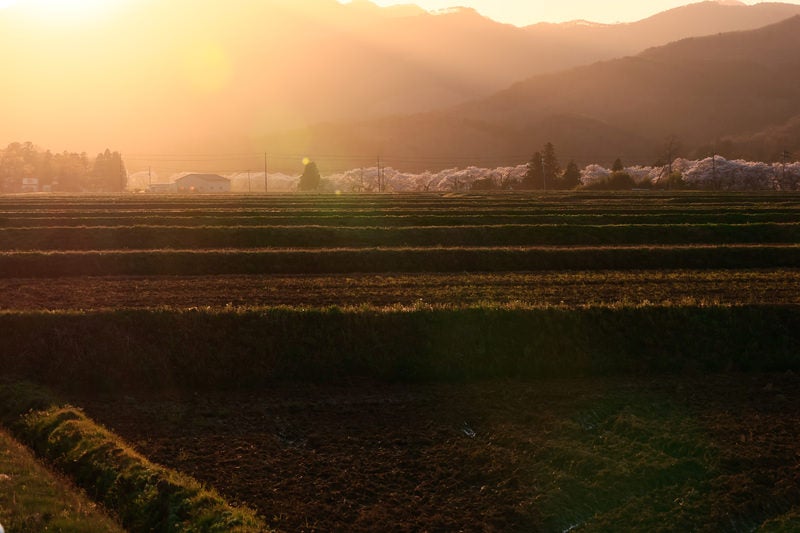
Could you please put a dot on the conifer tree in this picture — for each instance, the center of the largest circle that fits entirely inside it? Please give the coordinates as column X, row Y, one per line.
column 550, row 166
column 310, row 179
column 571, row 177
column 534, row 176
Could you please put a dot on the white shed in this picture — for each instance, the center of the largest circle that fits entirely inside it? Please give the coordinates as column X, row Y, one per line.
column 203, row 183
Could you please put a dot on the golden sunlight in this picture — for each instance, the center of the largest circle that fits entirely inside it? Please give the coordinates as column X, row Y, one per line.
column 64, row 11
column 208, row 67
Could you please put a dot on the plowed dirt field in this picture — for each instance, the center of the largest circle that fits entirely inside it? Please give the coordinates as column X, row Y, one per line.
column 673, row 454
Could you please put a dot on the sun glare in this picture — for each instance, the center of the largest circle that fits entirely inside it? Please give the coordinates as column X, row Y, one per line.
column 64, row 11
column 208, row 67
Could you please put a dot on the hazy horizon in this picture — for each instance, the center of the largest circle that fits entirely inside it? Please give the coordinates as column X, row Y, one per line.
column 159, row 80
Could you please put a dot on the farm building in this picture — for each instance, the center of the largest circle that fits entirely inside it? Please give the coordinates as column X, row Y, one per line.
column 203, row 183
column 30, row 185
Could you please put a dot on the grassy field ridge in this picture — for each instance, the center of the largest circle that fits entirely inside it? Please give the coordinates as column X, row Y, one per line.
column 144, row 496
column 247, row 348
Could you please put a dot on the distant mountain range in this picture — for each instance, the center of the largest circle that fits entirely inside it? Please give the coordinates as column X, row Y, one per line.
column 737, row 93
column 209, row 76
column 608, row 41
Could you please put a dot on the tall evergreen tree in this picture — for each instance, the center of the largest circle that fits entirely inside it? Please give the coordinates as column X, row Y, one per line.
column 617, row 166
column 310, row 179
column 551, row 168
column 571, row 177
column 534, row 177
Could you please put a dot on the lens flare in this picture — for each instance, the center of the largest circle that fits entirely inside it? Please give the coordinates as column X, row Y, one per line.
column 208, row 67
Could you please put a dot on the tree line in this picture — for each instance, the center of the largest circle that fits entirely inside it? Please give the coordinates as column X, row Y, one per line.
column 543, row 172
column 26, row 168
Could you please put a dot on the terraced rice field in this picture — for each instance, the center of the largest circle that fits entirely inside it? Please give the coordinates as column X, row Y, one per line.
column 508, row 362
column 314, row 241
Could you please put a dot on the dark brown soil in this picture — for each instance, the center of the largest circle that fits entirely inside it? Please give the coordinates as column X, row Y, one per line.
column 677, row 454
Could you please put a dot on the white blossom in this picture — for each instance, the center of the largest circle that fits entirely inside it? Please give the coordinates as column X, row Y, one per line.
column 709, row 173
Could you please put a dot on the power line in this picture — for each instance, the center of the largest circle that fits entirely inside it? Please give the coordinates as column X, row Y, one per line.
column 228, row 162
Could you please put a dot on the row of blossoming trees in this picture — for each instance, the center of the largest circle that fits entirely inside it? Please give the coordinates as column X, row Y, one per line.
column 26, row 168
column 708, row 173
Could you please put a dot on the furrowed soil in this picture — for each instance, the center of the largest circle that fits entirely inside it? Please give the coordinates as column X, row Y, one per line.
column 689, row 452
column 712, row 453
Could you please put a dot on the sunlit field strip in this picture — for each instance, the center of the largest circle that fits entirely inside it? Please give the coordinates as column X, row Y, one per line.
column 148, row 219
column 301, row 202
column 171, row 237
column 525, row 289
column 511, row 197
column 323, row 200
column 431, row 259
column 633, row 208
column 391, row 218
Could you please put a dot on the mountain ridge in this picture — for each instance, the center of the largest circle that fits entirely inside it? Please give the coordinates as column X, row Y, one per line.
column 152, row 80
column 705, row 90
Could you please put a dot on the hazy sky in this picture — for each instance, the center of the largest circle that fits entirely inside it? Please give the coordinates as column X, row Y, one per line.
column 524, row 12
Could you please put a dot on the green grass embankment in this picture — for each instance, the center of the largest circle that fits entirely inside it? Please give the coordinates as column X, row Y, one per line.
column 144, row 496
column 195, row 350
column 34, row 499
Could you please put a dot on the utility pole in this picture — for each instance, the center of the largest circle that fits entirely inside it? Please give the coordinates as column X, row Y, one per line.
column 122, row 173
column 380, row 175
column 249, row 189
column 785, row 157
column 672, row 150
column 265, row 174
column 149, row 176
column 544, row 175
column 669, row 166
column 669, row 157
column 714, row 169
column 361, row 184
